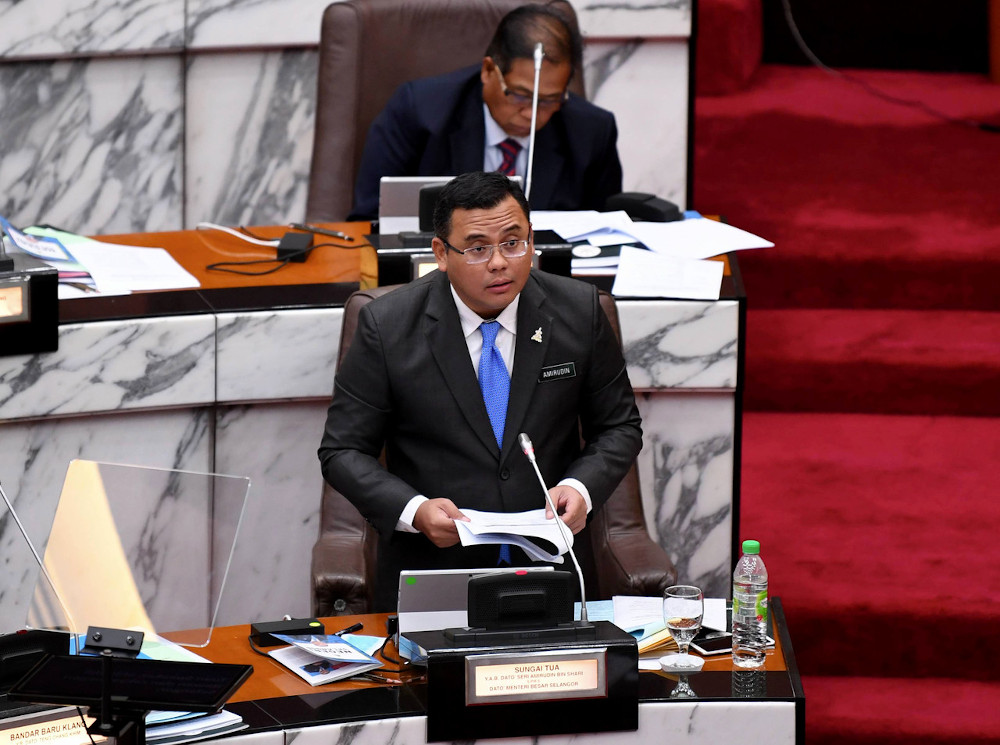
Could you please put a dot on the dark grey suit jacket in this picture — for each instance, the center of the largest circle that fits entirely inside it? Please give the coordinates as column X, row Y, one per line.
column 434, row 127
column 407, row 383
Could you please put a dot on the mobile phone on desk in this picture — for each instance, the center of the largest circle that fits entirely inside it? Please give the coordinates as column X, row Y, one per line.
column 710, row 642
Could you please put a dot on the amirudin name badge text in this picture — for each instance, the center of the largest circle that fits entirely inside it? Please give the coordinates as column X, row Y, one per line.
column 536, row 676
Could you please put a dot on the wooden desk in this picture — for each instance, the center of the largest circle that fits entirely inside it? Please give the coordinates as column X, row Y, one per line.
column 772, row 708
column 271, row 679
column 196, row 249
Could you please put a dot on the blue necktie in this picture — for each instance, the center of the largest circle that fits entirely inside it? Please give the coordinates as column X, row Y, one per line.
column 495, row 384
column 493, row 379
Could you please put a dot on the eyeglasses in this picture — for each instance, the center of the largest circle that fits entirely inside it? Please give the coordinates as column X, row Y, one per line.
column 511, row 249
column 524, row 99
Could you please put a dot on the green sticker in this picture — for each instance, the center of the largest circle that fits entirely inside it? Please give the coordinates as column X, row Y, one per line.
column 411, row 580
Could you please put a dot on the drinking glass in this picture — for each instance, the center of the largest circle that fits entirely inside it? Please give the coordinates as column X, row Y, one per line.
column 683, row 608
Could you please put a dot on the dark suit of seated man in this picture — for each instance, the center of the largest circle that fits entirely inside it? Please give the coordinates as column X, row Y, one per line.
column 454, row 123
column 409, row 384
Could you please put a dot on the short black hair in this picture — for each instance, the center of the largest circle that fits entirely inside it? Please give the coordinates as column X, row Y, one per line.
column 476, row 190
column 523, row 27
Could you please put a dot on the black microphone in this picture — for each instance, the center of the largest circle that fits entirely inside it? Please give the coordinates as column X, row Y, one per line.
column 539, row 53
column 529, row 450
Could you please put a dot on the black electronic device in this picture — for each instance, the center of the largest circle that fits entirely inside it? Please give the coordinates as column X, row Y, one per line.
column 29, row 307
column 135, row 685
column 19, row 652
column 642, row 206
column 262, row 632
column 295, row 247
column 428, row 198
column 709, row 642
column 518, row 600
column 521, row 606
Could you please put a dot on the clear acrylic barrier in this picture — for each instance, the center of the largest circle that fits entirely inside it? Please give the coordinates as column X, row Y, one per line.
column 139, row 548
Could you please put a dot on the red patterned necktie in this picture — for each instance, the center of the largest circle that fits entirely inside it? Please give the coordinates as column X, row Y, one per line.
column 509, row 148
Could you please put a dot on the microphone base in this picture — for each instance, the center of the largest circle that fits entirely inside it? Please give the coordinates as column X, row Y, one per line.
column 573, row 631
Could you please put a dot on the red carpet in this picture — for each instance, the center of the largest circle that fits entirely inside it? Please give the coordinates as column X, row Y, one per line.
column 869, row 204
column 872, row 412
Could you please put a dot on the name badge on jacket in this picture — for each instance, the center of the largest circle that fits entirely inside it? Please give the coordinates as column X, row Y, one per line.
column 557, row 372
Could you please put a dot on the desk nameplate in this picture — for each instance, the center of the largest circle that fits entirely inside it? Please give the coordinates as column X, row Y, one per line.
column 545, row 675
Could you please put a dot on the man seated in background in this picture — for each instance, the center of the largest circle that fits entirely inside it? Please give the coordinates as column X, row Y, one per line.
column 479, row 118
column 446, row 371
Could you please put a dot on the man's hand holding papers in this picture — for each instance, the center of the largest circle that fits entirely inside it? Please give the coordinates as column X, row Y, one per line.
column 516, row 529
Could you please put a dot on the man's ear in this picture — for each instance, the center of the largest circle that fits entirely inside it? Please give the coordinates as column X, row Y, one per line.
column 440, row 253
column 486, row 70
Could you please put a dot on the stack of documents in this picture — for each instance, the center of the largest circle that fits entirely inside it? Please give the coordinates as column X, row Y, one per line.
column 324, row 658
column 87, row 267
column 649, row 259
column 540, row 538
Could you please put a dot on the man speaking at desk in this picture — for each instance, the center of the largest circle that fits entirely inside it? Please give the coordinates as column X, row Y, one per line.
column 445, row 372
column 479, row 118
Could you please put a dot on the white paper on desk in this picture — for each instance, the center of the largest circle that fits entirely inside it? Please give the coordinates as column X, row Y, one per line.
column 134, row 268
column 514, row 528
column 635, row 613
column 699, row 238
column 643, row 273
column 715, row 614
column 600, row 228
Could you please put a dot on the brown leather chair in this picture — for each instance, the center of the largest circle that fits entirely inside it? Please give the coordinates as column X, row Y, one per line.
column 367, row 49
column 626, row 560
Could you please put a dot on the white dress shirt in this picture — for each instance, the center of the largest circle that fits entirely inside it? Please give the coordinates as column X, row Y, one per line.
column 492, row 155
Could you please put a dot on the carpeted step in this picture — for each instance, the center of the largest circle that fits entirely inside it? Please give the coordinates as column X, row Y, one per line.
column 869, row 204
column 879, row 534
column 935, row 710
column 875, row 361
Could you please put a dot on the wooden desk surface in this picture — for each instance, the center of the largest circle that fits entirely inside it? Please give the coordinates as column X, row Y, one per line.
column 196, row 249
column 271, row 679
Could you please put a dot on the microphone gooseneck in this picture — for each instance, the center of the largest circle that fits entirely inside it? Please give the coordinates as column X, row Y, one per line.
column 539, row 54
column 529, row 450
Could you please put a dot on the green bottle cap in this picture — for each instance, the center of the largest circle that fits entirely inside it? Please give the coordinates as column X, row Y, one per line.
column 751, row 547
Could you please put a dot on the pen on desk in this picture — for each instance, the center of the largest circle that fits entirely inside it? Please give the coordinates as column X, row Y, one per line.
column 349, row 630
column 320, row 231
column 376, row 678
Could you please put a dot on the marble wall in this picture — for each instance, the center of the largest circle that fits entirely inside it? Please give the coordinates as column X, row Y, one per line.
column 141, row 115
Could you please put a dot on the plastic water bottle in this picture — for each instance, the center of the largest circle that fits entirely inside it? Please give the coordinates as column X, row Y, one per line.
column 749, row 608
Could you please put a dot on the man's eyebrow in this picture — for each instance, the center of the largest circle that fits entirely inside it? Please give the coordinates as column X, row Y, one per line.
column 512, row 228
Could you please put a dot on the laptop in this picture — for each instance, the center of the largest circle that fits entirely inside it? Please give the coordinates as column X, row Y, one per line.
column 399, row 202
column 434, row 599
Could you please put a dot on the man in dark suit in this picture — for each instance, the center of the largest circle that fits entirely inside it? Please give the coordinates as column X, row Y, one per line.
column 466, row 120
column 409, row 383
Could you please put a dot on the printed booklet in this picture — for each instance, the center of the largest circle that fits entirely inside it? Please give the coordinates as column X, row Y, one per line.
column 319, row 659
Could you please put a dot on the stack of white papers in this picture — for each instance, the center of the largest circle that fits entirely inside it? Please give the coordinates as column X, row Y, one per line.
column 674, row 265
column 515, row 528
column 87, row 267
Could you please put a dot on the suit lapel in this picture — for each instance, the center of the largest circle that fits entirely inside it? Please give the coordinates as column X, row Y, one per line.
column 534, row 329
column 468, row 138
column 549, row 161
column 447, row 344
